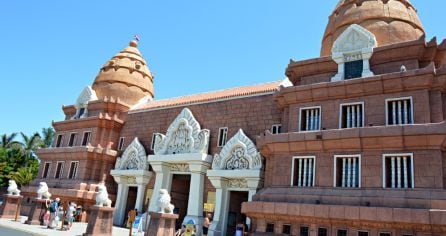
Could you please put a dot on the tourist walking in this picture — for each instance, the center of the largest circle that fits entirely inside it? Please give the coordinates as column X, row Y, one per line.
column 69, row 216
column 53, row 208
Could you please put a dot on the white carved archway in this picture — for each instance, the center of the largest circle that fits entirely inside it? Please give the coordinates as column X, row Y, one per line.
column 133, row 158
column 355, row 43
column 131, row 170
column 182, row 150
column 183, row 136
column 238, row 167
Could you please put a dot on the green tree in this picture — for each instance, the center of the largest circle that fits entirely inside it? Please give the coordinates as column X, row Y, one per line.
column 8, row 140
column 23, row 175
column 47, row 137
column 30, row 144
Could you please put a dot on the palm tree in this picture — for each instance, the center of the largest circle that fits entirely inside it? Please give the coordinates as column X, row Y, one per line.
column 31, row 144
column 8, row 140
column 48, row 137
column 23, row 175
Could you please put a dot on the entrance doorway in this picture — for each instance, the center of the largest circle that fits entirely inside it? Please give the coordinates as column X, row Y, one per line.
column 131, row 199
column 180, row 196
column 235, row 216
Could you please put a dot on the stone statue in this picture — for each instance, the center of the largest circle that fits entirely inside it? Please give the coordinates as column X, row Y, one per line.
column 403, row 68
column 164, row 202
column 102, row 197
column 42, row 191
column 12, row 188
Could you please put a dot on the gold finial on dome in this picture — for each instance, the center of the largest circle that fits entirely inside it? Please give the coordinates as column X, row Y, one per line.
column 133, row 43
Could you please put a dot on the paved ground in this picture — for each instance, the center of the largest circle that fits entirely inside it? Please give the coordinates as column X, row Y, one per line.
column 9, row 227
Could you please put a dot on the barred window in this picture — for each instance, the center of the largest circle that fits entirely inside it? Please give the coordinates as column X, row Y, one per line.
column 310, row 119
column 303, row 171
column 352, row 115
column 399, row 111
column 398, row 171
column 348, row 171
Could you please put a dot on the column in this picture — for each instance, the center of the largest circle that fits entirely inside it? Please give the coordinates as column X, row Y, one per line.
column 121, row 200
column 139, row 203
column 251, row 193
column 163, row 180
column 195, row 204
column 218, row 226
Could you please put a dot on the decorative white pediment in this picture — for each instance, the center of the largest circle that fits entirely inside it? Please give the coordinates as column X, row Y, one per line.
column 87, row 95
column 354, row 39
column 183, row 136
column 239, row 153
column 133, row 158
column 354, row 44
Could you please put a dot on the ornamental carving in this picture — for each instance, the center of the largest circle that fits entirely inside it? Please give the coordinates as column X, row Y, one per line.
column 354, row 38
column 239, row 153
column 237, row 183
column 183, row 136
column 131, row 180
column 133, row 158
column 182, row 167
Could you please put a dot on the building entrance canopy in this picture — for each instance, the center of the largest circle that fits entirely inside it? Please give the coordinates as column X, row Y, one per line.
column 131, row 170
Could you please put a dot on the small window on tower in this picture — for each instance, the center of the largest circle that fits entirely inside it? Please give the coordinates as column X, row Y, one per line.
column 276, row 129
column 72, row 139
column 152, row 145
column 59, row 140
column 222, row 136
column 86, row 139
column 46, row 169
column 353, row 69
column 81, row 112
column 59, row 170
column 121, row 143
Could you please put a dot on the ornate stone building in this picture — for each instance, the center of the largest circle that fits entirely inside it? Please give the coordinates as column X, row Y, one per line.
column 352, row 143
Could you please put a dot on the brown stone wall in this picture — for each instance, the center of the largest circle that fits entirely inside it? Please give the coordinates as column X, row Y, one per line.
column 252, row 114
column 428, row 168
column 374, row 107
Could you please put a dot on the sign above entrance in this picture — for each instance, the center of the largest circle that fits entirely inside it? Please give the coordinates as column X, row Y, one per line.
column 183, row 136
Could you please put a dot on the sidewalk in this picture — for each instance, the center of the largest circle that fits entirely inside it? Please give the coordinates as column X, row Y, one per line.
column 76, row 229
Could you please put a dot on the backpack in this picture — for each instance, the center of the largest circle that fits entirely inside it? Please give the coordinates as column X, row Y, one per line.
column 53, row 207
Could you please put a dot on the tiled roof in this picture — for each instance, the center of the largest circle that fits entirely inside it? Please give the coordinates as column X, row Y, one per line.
column 211, row 96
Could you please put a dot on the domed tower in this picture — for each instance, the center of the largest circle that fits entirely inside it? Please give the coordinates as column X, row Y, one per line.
column 390, row 21
column 125, row 76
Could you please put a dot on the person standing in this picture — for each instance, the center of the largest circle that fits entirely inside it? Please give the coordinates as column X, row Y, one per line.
column 206, row 223
column 70, row 215
column 53, row 208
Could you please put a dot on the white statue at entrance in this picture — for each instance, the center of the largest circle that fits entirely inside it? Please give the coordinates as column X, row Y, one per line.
column 102, row 197
column 164, row 202
column 42, row 191
column 12, row 188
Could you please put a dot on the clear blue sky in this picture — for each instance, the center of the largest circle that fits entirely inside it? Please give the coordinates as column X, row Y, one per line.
column 50, row 50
